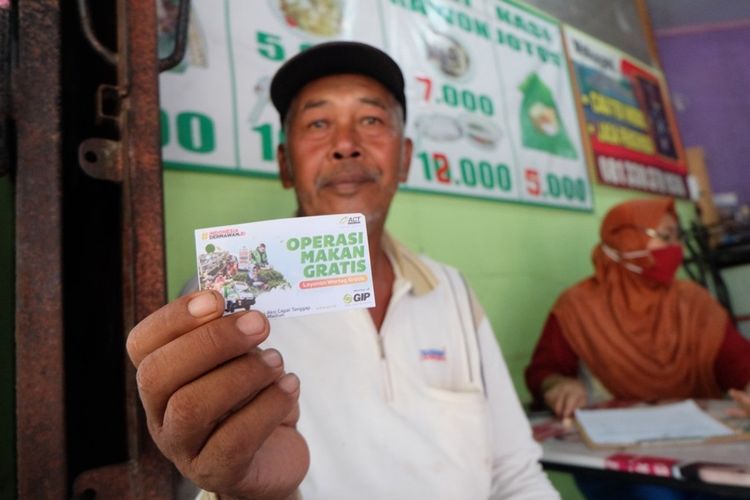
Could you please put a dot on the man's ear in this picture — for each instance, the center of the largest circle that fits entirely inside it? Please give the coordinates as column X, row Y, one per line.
column 285, row 167
column 405, row 160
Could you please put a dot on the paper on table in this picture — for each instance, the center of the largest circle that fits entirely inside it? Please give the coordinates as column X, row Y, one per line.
column 641, row 425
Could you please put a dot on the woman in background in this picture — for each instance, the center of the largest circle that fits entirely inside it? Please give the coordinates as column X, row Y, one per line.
column 633, row 332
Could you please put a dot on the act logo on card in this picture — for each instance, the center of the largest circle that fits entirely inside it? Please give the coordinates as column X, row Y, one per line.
column 350, row 219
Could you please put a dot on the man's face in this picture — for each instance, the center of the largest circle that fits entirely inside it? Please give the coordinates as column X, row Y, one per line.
column 345, row 150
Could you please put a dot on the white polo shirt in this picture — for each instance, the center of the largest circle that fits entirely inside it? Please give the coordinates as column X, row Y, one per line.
column 423, row 409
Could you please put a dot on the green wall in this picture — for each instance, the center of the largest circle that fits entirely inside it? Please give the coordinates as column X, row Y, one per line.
column 517, row 257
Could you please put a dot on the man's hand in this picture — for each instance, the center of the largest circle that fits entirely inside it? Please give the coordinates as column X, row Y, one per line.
column 742, row 398
column 563, row 394
column 221, row 409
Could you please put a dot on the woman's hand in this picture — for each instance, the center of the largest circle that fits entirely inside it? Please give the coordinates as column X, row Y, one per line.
column 742, row 398
column 563, row 394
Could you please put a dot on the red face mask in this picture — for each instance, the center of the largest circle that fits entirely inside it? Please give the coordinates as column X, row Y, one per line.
column 666, row 262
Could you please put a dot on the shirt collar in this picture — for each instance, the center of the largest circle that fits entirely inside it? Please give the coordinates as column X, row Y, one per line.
column 408, row 265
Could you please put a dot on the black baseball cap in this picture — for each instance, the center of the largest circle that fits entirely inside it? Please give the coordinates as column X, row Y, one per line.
column 335, row 58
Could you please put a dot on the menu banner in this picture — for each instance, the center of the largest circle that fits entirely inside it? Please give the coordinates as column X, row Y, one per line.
column 491, row 105
column 630, row 129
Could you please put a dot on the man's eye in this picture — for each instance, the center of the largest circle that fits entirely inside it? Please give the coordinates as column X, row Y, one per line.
column 317, row 124
column 371, row 120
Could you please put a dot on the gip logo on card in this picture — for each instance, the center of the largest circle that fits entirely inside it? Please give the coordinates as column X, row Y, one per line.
column 356, row 297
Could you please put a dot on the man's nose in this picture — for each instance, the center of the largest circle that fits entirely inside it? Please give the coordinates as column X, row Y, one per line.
column 346, row 143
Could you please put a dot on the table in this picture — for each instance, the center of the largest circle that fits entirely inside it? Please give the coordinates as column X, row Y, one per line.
column 720, row 467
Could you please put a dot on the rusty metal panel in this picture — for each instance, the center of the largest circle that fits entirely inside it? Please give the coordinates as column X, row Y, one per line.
column 138, row 80
column 145, row 279
column 40, row 436
column 134, row 162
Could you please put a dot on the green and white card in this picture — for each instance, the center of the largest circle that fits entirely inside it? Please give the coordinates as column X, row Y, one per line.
column 288, row 267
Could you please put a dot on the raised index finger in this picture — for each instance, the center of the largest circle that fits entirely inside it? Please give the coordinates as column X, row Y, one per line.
column 171, row 321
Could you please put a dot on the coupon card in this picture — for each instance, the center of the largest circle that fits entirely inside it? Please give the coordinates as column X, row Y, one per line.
column 288, row 267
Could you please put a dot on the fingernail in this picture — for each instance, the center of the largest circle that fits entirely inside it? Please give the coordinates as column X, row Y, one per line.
column 202, row 305
column 251, row 324
column 272, row 358
column 289, row 383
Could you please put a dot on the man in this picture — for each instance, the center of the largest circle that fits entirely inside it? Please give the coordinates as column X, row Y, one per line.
column 259, row 257
column 258, row 262
column 408, row 400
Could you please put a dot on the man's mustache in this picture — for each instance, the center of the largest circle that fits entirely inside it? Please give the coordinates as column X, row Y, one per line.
column 349, row 172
